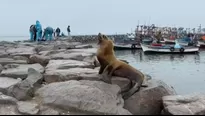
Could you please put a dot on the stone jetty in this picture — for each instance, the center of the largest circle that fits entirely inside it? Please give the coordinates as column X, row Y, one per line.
column 61, row 78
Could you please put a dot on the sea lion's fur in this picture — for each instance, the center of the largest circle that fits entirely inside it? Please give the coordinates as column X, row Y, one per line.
column 111, row 66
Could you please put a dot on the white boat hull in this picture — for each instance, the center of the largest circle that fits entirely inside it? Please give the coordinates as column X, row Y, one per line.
column 148, row 48
column 126, row 46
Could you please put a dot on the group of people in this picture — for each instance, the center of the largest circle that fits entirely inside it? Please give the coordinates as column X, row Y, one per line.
column 38, row 34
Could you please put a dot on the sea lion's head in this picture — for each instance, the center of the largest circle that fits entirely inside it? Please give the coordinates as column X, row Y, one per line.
column 102, row 38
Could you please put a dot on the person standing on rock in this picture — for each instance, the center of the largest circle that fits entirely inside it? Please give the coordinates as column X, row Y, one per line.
column 58, row 32
column 38, row 31
column 32, row 31
column 68, row 29
column 48, row 33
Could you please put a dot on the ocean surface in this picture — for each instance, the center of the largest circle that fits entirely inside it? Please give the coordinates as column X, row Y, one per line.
column 186, row 73
column 14, row 38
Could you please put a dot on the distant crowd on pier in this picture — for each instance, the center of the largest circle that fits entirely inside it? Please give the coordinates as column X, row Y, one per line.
column 37, row 33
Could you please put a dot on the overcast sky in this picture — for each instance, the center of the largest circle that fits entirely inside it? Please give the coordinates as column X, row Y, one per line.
column 93, row 16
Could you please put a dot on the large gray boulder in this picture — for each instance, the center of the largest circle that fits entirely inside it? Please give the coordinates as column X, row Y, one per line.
column 21, row 71
column 73, row 56
column 93, row 97
column 192, row 104
column 67, row 64
column 5, row 61
column 3, row 53
column 25, row 89
column 6, row 82
column 4, row 99
column 90, row 51
column 70, row 74
column 8, row 105
column 21, row 51
column 43, row 60
column 27, row 108
column 20, row 58
column 148, row 101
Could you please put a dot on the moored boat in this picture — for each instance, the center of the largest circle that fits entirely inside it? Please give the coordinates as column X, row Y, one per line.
column 201, row 44
column 126, row 46
column 169, row 49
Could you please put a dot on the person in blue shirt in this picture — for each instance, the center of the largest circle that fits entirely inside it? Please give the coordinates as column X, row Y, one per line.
column 48, row 33
column 32, row 31
column 39, row 31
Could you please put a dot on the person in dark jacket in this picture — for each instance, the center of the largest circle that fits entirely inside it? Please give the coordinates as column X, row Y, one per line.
column 58, row 32
column 68, row 29
column 32, row 31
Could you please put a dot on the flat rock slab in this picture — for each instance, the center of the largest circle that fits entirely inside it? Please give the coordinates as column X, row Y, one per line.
column 148, row 101
column 27, row 108
column 193, row 104
column 83, row 46
column 89, row 50
column 6, row 82
column 5, row 61
column 21, row 71
column 70, row 74
column 73, row 56
column 21, row 51
column 67, row 64
column 88, row 96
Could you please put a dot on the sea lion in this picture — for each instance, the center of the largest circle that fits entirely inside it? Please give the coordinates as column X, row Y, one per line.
column 111, row 66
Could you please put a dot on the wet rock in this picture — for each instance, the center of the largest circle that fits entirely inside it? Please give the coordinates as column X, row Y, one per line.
column 21, row 51
column 70, row 74
column 25, row 89
column 193, row 104
column 5, row 61
column 21, row 71
column 89, row 96
column 6, row 83
column 148, row 101
column 43, row 60
column 66, row 64
column 4, row 99
column 27, row 108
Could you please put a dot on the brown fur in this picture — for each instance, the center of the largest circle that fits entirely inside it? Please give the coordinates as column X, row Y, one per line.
column 111, row 66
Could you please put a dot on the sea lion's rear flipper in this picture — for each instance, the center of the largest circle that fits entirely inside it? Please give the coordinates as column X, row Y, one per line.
column 132, row 91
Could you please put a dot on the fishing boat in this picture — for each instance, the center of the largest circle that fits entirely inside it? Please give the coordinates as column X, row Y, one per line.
column 160, row 48
column 201, row 44
column 123, row 46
